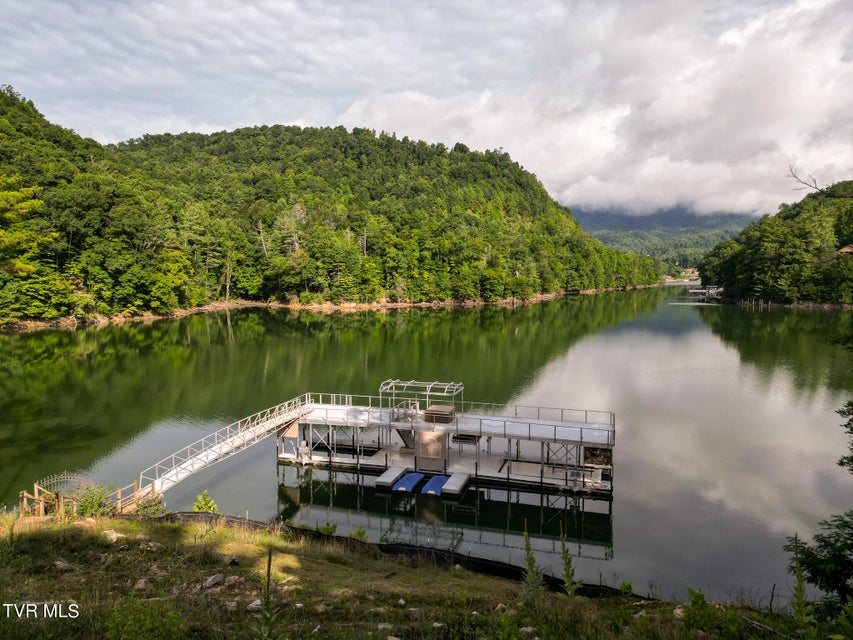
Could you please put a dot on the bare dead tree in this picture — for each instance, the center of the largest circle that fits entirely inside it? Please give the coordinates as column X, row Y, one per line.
column 811, row 183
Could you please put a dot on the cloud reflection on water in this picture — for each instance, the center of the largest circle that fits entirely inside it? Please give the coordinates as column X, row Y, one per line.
column 715, row 461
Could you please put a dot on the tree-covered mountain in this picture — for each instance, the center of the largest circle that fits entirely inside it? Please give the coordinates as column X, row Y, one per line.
column 275, row 213
column 792, row 256
column 677, row 236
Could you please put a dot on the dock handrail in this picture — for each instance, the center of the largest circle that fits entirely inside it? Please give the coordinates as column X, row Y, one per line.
column 188, row 457
column 541, row 413
column 543, row 428
column 516, row 411
column 503, row 420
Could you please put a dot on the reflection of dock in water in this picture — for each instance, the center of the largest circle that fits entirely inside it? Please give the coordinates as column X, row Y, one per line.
column 487, row 522
column 427, row 427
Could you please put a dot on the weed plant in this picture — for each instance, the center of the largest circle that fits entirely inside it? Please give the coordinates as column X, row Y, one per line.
column 204, row 504
column 358, row 534
column 570, row 586
column 532, row 590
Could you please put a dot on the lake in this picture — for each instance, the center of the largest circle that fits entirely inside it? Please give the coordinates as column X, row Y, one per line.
column 726, row 431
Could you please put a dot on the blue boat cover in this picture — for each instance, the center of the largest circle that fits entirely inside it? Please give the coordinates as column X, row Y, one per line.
column 435, row 484
column 408, row 482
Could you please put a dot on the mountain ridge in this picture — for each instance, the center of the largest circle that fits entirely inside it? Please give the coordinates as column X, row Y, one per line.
column 276, row 213
column 676, row 235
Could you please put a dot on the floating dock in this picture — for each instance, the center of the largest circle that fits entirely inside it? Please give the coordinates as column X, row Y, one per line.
column 390, row 477
column 418, row 427
column 428, row 428
column 486, row 521
column 455, row 484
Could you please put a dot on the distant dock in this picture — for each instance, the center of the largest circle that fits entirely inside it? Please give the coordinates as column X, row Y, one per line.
column 704, row 295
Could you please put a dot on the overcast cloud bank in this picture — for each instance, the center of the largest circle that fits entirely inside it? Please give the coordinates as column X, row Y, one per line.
column 619, row 104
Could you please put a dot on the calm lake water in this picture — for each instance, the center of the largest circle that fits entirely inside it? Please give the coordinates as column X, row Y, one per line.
column 727, row 435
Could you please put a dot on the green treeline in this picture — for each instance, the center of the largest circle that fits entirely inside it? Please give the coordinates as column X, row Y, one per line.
column 275, row 213
column 792, row 256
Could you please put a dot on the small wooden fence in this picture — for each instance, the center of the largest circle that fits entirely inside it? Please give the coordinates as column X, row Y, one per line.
column 43, row 501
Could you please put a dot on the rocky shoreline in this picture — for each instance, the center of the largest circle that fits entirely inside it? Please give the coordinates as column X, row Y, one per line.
column 25, row 326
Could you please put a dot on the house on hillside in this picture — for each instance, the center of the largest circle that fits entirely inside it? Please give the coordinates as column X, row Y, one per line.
column 847, row 249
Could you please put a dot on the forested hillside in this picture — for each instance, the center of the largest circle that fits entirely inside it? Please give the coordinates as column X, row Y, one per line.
column 792, row 256
column 275, row 213
column 677, row 236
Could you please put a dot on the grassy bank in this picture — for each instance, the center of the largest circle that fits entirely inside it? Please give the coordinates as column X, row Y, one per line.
column 149, row 579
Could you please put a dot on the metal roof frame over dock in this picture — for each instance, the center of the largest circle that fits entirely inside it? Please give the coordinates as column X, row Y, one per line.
column 416, row 389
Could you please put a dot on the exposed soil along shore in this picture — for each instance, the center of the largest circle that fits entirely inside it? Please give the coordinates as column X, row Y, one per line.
column 23, row 326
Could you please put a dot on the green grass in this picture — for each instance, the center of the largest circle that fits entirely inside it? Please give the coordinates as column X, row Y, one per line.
column 319, row 589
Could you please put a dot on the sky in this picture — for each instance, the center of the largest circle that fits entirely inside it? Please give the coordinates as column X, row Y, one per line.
column 628, row 104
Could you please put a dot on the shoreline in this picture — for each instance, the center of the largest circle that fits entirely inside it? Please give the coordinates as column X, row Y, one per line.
column 72, row 323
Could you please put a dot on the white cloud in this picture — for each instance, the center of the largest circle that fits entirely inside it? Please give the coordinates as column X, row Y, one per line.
column 636, row 105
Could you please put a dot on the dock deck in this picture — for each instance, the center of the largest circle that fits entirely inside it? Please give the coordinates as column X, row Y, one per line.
column 598, row 434
column 423, row 427
column 550, row 448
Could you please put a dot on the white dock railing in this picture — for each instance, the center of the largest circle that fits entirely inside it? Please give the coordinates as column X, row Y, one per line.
column 478, row 408
column 222, row 444
column 595, row 428
column 541, row 413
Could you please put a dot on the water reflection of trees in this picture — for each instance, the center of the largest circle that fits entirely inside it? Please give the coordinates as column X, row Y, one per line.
column 68, row 397
column 799, row 341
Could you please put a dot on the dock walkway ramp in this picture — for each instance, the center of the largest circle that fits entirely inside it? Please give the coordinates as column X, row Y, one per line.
column 223, row 444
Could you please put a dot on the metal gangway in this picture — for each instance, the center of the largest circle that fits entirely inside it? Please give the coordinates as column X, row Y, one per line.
column 223, row 444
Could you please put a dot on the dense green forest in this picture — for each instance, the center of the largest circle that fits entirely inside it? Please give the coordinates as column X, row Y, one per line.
column 275, row 213
column 677, row 236
column 791, row 256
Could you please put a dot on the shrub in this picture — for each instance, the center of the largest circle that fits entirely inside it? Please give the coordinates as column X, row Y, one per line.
column 801, row 608
column 92, row 501
column 358, row 534
column 570, row 586
column 828, row 563
column 532, row 591
column 205, row 504
column 151, row 507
